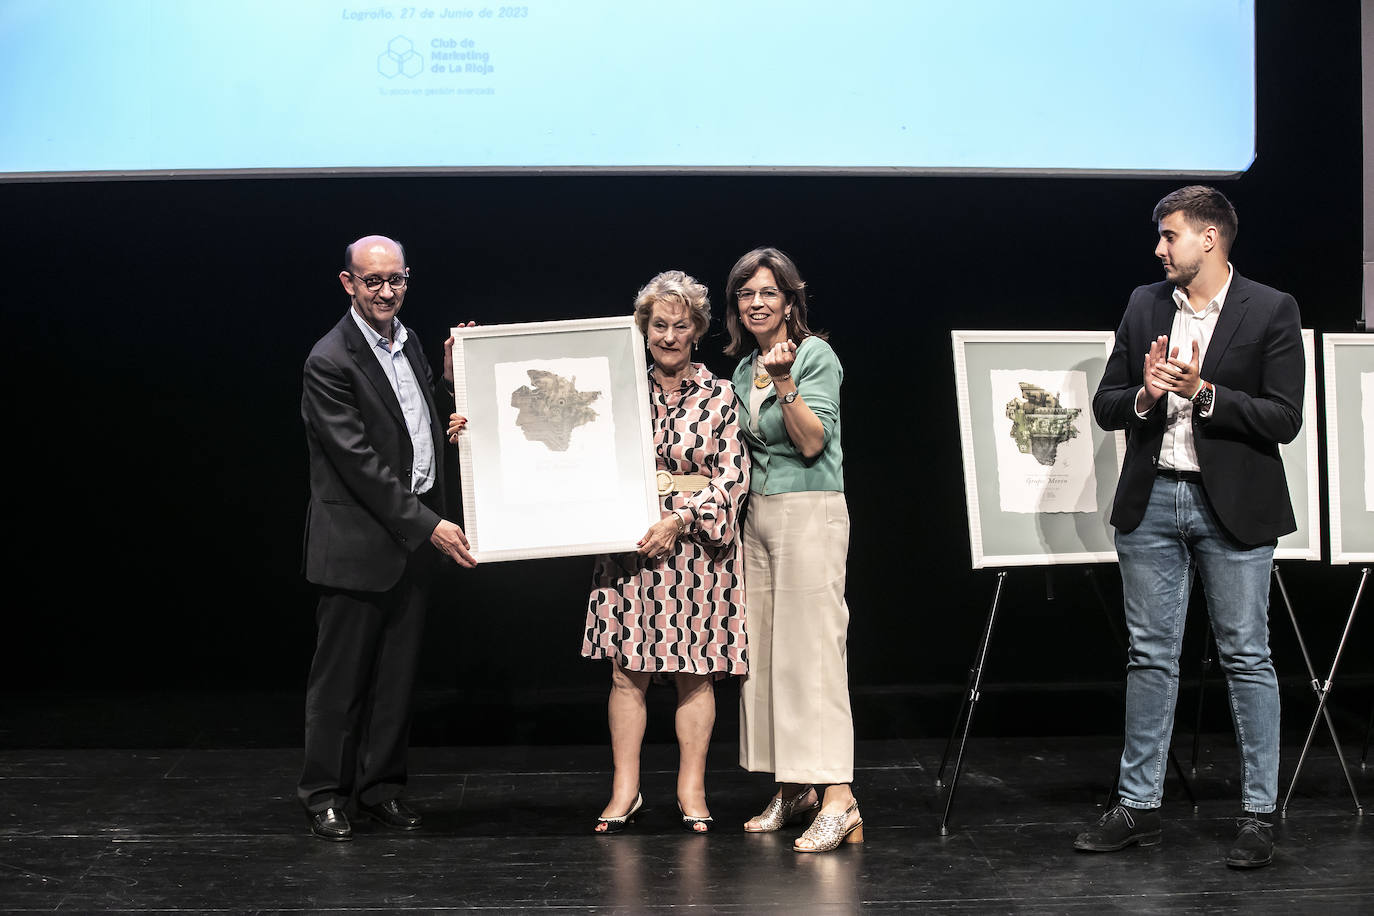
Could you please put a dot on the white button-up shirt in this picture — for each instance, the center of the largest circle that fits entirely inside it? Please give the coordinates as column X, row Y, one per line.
column 1179, row 450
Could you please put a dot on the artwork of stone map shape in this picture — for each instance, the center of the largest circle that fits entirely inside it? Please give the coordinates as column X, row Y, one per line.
column 1039, row 424
column 551, row 409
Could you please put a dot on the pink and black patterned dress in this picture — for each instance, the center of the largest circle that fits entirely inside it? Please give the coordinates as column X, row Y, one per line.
column 686, row 612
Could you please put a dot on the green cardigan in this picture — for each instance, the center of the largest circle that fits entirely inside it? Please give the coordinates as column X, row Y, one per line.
column 777, row 466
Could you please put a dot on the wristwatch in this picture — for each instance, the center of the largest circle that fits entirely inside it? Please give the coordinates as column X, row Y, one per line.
column 790, row 396
column 1202, row 401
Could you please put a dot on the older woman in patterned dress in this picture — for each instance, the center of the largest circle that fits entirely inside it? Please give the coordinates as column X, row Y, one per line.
column 676, row 606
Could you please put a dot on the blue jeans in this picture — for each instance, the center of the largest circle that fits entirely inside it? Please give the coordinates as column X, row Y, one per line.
column 1157, row 559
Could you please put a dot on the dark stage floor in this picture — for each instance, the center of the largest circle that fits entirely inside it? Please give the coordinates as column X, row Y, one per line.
column 90, row 829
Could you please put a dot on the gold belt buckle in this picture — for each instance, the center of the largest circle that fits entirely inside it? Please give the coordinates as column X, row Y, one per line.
column 665, row 483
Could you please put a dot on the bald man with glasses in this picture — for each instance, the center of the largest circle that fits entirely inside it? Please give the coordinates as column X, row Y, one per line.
column 374, row 531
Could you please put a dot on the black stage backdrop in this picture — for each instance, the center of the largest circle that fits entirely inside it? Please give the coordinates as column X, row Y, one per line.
column 157, row 480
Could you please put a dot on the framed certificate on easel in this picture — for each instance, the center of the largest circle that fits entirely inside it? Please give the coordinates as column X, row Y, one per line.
column 1300, row 468
column 1348, row 363
column 1039, row 475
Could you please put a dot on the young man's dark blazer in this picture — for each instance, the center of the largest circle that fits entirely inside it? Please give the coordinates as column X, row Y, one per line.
column 1255, row 360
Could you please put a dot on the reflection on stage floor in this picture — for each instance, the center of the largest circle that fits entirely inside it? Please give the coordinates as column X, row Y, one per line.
column 508, row 829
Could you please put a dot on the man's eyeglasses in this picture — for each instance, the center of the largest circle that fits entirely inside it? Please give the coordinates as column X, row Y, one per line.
column 768, row 294
column 374, row 283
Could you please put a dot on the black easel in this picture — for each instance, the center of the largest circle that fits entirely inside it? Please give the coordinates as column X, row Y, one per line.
column 1208, row 643
column 963, row 721
column 1368, row 730
column 968, row 704
column 1323, row 690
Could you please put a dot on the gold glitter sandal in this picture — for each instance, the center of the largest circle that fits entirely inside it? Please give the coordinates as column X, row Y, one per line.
column 780, row 813
column 828, row 831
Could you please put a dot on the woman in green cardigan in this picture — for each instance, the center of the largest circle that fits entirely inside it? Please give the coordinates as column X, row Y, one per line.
column 795, row 720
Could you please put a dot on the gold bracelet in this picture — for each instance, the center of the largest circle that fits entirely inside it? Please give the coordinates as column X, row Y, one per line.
column 681, row 525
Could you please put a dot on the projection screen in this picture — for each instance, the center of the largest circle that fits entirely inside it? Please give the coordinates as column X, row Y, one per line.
column 105, row 88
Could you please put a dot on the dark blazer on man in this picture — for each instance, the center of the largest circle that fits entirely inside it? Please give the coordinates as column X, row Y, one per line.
column 367, row 545
column 1255, row 361
column 363, row 521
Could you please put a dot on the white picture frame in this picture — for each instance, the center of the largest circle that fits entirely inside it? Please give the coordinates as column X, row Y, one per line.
column 1300, row 467
column 1039, row 517
column 553, row 465
column 1348, row 373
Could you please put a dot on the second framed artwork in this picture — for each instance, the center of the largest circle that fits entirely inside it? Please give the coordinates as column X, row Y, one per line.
column 1300, row 468
column 1039, row 475
column 1349, row 365
column 557, row 458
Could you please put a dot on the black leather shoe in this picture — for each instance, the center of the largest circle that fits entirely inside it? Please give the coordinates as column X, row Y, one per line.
column 331, row 824
column 392, row 813
column 1254, row 844
column 1121, row 827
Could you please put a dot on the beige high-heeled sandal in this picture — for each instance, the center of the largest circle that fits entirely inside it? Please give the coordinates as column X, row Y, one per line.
column 828, row 831
column 780, row 812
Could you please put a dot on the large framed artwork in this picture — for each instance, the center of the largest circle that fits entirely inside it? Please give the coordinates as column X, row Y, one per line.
column 1300, row 465
column 557, row 458
column 1348, row 365
column 1039, row 475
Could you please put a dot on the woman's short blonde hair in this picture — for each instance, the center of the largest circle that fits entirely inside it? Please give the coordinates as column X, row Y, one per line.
column 674, row 286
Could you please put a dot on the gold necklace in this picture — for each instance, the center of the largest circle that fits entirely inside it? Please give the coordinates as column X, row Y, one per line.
column 761, row 379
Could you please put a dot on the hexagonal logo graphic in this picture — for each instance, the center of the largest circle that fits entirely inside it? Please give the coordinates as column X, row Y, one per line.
column 400, row 59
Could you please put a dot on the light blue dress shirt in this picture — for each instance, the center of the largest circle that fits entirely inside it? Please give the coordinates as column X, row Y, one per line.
column 390, row 353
